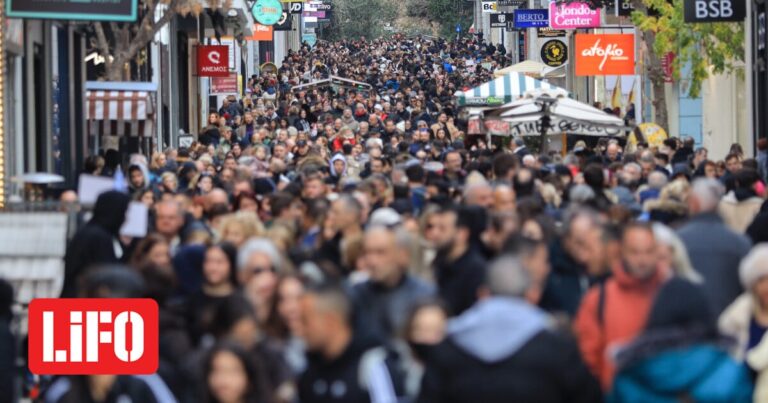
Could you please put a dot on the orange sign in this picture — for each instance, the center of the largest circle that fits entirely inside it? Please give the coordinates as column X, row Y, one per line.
column 605, row 54
column 261, row 33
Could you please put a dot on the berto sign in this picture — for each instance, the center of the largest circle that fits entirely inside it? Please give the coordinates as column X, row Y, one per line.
column 572, row 16
column 531, row 18
column 267, row 12
column 213, row 61
column 605, row 54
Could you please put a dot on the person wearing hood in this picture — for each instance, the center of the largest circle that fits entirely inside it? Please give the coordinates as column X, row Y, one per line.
column 602, row 322
column 97, row 242
column 680, row 356
column 338, row 168
column 506, row 345
column 138, row 179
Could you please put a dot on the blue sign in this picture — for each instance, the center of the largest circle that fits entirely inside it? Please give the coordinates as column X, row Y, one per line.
column 458, row 27
column 310, row 39
column 531, row 18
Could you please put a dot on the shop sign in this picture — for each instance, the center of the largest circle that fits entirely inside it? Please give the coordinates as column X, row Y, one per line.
column 224, row 85
column 550, row 33
column 261, row 33
column 490, row 7
column 267, row 12
column 573, row 15
column 714, row 10
column 605, row 54
column 500, row 20
column 554, row 53
column 213, row 61
column 85, row 10
column 531, row 18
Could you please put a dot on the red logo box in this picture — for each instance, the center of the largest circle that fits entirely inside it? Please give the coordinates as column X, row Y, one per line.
column 89, row 336
column 213, row 61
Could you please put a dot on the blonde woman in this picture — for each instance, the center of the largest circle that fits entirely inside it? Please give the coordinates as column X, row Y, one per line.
column 236, row 228
column 673, row 252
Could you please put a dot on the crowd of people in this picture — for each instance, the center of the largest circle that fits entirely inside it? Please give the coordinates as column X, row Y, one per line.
column 339, row 245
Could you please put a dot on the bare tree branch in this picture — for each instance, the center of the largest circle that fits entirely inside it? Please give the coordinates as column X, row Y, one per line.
column 103, row 45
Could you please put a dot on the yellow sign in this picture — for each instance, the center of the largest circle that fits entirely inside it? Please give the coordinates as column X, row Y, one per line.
column 653, row 134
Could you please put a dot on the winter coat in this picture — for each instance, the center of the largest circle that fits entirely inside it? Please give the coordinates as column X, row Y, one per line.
column 97, row 242
column 735, row 322
column 738, row 212
column 127, row 388
column 700, row 372
column 566, row 284
column 501, row 350
column 385, row 309
column 715, row 252
column 458, row 281
column 364, row 372
column 612, row 314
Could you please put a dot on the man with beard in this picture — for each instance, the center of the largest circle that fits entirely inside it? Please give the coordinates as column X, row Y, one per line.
column 603, row 321
column 459, row 265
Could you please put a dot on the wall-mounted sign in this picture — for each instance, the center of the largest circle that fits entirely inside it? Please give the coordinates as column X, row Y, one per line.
column 714, row 10
column 500, row 20
column 310, row 39
column 531, row 18
column 92, row 10
column 624, row 8
column 267, row 12
column 572, row 16
column 490, row 7
column 261, row 33
column 605, row 54
column 554, row 53
column 285, row 23
column 213, row 61
column 511, row 3
column 224, row 85
column 295, row 8
column 549, row 33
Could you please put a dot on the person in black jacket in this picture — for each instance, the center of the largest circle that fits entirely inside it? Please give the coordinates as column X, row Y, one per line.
column 98, row 241
column 459, row 265
column 503, row 350
column 343, row 366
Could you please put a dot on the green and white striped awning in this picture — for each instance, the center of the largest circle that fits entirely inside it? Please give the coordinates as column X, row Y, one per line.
column 500, row 91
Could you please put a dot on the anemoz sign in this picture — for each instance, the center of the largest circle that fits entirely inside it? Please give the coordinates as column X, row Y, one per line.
column 714, row 10
column 572, row 16
column 213, row 61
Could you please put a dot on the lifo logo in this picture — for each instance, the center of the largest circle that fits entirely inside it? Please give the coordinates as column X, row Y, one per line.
column 93, row 336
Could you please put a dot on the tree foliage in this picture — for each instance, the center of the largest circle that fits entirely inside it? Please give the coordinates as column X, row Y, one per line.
column 449, row 13
column 703, row 46
column 353, row 19
column 119, row 43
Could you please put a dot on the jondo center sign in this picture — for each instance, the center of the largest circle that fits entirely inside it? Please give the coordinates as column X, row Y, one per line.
column 605, row 54
column 572, row 16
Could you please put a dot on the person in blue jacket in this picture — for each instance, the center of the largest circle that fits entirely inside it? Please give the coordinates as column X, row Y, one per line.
column 680, row 357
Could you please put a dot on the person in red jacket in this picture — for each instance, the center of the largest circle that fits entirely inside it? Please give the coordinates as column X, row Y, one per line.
column 614, row 312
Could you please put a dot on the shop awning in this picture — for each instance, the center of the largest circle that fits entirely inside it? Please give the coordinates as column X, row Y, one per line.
column 120, row 112
column 501, row 90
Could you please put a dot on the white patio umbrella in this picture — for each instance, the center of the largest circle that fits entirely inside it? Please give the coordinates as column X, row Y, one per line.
column 550, row 111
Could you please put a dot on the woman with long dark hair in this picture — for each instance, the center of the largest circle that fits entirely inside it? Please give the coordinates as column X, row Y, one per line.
column 232, row 377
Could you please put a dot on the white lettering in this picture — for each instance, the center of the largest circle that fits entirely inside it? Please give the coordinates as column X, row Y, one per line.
column 611, row 51
column 137, row 336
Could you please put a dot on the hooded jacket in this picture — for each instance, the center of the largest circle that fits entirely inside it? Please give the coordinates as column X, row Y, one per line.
column 504, row 344
column 599, row 327
column 96, row 243
column 337, row 157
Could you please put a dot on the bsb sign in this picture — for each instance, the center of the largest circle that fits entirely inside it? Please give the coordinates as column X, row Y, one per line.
column 572, row 16
column 213, row 61
column 91, row 10
column 605, row 54
column 714, row 10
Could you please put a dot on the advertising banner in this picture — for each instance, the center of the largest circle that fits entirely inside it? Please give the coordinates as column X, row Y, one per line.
column 224, row 85
column 554, row 53
column 490, row 7
column 261, row 33
column 572, row 16
column 605, row 54
column 267, row 12
column 550, row 33
column 86, row 10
